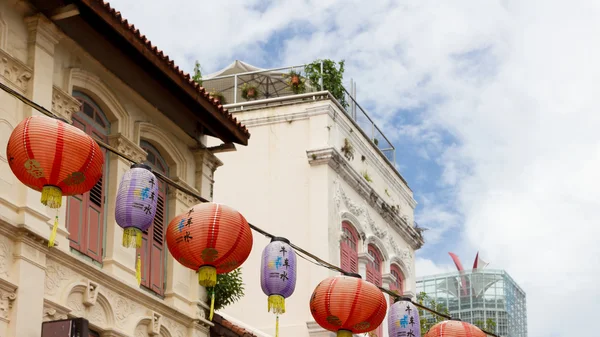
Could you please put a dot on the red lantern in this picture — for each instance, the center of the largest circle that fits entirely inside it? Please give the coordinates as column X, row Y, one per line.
column 55, row 158
column 348, row 305
column 455, row 328
column 210, row 238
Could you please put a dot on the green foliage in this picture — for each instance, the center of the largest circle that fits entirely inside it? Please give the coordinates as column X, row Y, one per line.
column 296, row 81
column 229, row 288
column 333, row 78
column 197, row 77
column 218, row 95
column 367, row 176
column 249, row 91
column 427, row 301
column 489, row 325
column 348, row 149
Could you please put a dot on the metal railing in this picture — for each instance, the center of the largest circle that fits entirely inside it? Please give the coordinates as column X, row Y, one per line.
column 269, row 84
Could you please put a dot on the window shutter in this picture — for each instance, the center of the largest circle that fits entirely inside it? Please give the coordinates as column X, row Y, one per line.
column 85, row 213
column 95, row 221
column 157, row 257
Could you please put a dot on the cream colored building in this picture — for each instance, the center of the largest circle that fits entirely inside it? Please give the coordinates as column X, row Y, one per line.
column 87, row 65
column 299, row 181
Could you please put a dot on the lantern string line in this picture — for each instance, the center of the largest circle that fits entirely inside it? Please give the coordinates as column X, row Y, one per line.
column 316, row 260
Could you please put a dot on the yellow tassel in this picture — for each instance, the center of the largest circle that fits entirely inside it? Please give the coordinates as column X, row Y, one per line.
column 132, row 237
column 51, row 196
column 212, row 306
column 344, row 333
column 138, row 270
column 277, row 326
column 53, row 233
column 207, row 276
column 277, row 304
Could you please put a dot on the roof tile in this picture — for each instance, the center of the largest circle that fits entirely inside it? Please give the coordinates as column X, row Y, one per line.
column 171, row 64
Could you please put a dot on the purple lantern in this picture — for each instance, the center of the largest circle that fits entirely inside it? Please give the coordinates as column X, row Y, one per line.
column 278, row 277
column 403, row 319
column 136, row 203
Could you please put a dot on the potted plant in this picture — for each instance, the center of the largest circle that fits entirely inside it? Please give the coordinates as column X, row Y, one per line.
column 296, row 82
column 218, row 95
column 249, row 91
column 332, row 76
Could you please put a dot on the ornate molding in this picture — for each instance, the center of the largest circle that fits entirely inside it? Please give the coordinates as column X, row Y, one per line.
column 8, row 294
column 6, row 248
column 54, row 312
column 15, row 72
column 127, row 147
column 186, row 199
column 91, row 293
column 43, row 32
column 155, row 324
column 63, row 104
column 334, row 159
column 363, row 144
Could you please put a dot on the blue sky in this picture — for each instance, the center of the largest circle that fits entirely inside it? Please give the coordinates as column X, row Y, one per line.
column 492, row 106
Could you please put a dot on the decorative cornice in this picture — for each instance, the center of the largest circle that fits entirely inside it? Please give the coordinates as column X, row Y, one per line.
column 63, row 104
column 127, row 147
column 391, row 175
column 8, row 294
column 54, row 311
column 205, row 156
column 15, row 72
column 185, row 198
column 334, row 159
column 43, row 32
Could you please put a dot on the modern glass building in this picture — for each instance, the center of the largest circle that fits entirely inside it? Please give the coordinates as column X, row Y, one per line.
column 478, row 295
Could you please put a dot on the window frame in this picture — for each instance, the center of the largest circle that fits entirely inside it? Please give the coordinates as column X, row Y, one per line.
column 160, row 165
column 80, row 244
column 349, row 248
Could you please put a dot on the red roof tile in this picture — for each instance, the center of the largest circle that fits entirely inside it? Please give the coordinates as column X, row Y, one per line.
column 171, row 64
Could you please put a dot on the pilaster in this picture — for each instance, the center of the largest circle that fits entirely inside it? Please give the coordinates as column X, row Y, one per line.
column 28, row 272
column 182, row 283
column 363, row 260
column 119, row 260
column 43, row 36
column 206, row 165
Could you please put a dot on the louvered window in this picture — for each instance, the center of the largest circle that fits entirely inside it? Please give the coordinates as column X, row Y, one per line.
column 153, row 247
column 349, row 248
column 85, row 212
column 374, row 273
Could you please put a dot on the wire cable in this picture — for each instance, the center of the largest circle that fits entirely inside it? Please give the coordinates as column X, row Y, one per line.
column 304, row 253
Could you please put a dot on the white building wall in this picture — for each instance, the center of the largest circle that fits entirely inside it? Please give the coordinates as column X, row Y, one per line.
column 297, row 184
column 38, row 283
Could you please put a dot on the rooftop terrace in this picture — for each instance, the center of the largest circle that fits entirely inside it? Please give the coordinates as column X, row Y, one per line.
column 242, row 86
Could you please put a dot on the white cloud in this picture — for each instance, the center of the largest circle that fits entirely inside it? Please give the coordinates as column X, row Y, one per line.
column 513, row 81
column 426, row 267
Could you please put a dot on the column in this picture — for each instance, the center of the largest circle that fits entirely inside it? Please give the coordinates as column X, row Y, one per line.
column 29, row 273
column 183, row 290
column 206, row 165
column 387, row 280
column 42, row 38
column 119, row 261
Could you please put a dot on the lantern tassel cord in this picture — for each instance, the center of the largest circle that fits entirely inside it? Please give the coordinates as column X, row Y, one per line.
column 54, row 230
column 277, row 326
column 172, row 183
column 212, row 305
column 138, row 270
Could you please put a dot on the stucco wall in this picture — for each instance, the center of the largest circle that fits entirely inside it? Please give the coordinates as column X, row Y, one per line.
column 294, row 182
column 38, row 61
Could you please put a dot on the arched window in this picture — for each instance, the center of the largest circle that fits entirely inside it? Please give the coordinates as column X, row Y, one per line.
column 85, row 213
column 349, row 248
column 374, row 273
column 398, row 285
column 153, row 248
